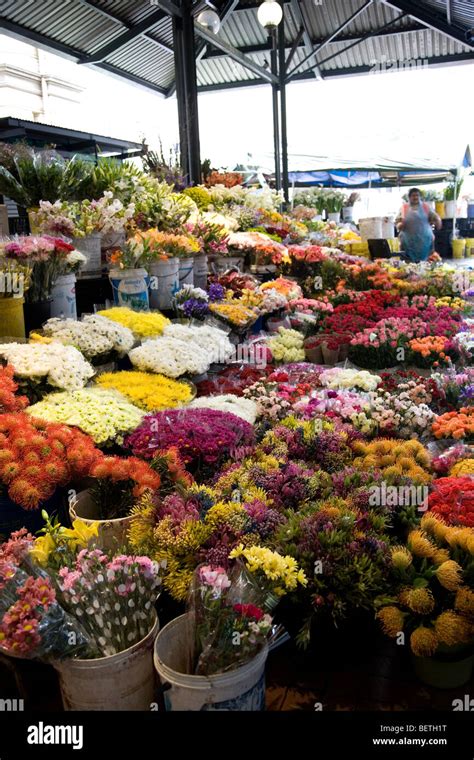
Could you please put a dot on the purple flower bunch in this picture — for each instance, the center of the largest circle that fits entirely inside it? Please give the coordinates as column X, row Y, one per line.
column 202, row 436
column 216, row 292
column 193, row 308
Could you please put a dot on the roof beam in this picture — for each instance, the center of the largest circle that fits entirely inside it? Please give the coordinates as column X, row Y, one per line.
column 433, row 20
column 170, row 8
column 201, row 47
column 460, row 58
column 135, row 31
column 362, row 39
column 329, row 39
column 233, row 53
column 126, row 24
column 265, row 47
column 308, row 43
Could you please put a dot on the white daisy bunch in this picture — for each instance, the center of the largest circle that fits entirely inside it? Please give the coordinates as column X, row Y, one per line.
column 242, row 407
column 171, row 357
column 61, row 366
column 93, row 336
column 210, row 339
column 105, row 415
column 338, row 378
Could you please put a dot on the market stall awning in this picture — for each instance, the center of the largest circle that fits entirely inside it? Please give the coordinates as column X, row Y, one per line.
column 66, row 141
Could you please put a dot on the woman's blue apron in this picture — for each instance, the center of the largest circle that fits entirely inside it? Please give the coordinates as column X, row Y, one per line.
column 417, row 237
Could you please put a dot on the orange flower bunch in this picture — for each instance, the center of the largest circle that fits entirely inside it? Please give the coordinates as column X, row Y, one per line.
column 228, row 179
column 431, row 350
column 8, row 401
column 455, row 424
column 36, row 457
column 118, row 469
column 120, row 483
column 432, row 344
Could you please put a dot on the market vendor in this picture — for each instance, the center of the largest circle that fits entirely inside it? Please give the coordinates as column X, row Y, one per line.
column 414, row 224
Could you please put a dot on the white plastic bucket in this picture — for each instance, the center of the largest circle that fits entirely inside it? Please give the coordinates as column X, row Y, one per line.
column 334, row 216
column 90, row 246
column 64, row 297
column 388, row 227
column 347, row 213
column 130, row 288
column 242, row 689
column 164, row 283
column 112, row 240
column 200, row 271
column 186, row 271
column 223, row 263
column 123, row 681
column 370, row 228
column 449, row 209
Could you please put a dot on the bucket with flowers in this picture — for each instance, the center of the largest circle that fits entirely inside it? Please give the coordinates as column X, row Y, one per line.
column 117, row 485
column 88, row 613
column 432, row 602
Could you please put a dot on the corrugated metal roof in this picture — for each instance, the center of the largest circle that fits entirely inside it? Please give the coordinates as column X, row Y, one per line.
column 82, row 28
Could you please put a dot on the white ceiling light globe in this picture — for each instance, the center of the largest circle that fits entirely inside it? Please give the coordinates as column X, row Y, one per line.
column 210, row 20
column 270, row 14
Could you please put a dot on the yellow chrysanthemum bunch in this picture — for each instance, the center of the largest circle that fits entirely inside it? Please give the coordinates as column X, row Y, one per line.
column 464, row 467
column 281, row 570
column 395, row 458
column 147, row 391
column 143, row 324
column 234, row 312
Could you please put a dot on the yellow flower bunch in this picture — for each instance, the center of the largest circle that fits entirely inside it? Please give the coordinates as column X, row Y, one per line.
column 147, row 391
column 143, row 324
column 395, row 458
column 165, row 245
column 280, row 570
column 235, row 312
column 77, row 537
column 464, row 467
column 251, row 298
column 454, row 302
column 424, row 567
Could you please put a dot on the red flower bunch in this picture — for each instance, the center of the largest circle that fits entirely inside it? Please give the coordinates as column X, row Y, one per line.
column 233, row 379
column 342, row 322
column 249, row 611
column 8, row 387
column 36, row 457
column 453, row 500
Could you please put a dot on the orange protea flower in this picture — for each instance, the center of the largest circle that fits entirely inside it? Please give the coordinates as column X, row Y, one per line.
column 6, row 456
column 449, row 574
column 33, row 472
column 420, row 600
column 464, row 601
column 392, row 620
column 452, row 629
column 420, row 545
column 31, row 457
column 424, row 642
column 9, row 471
column 24, row 493
column 56, row 470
